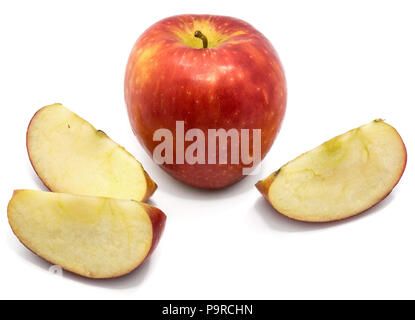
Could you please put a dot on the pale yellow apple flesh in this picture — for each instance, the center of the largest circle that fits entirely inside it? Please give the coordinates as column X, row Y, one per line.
column 94, row 237
column 70, row 155
column 341, row 178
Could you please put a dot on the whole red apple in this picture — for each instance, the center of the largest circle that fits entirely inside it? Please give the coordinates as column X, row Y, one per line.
column 210, row 72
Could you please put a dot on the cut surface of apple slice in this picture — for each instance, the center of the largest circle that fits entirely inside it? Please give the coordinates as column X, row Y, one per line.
column 341, row 178
column 70, row 155
column 94, row 237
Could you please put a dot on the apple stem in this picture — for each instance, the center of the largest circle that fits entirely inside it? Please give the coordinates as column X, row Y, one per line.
column 200, row 35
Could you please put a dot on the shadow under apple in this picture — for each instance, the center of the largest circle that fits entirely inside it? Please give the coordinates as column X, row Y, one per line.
column 179, row 189
column 37, row 180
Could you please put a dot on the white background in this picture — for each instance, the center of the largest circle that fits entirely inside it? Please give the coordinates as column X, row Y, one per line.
column 346, row 62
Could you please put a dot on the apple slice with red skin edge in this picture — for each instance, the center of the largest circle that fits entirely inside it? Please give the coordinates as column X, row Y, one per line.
column 70, row 155
column 340, row 178
column 94, row 237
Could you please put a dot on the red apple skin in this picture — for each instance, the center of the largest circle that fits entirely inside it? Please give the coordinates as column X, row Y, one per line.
column 239, row 84
column 158, row 221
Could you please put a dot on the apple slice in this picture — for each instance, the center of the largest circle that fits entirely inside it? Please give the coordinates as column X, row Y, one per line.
column 70, row 155
column 94, row 237
column 341, row 178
